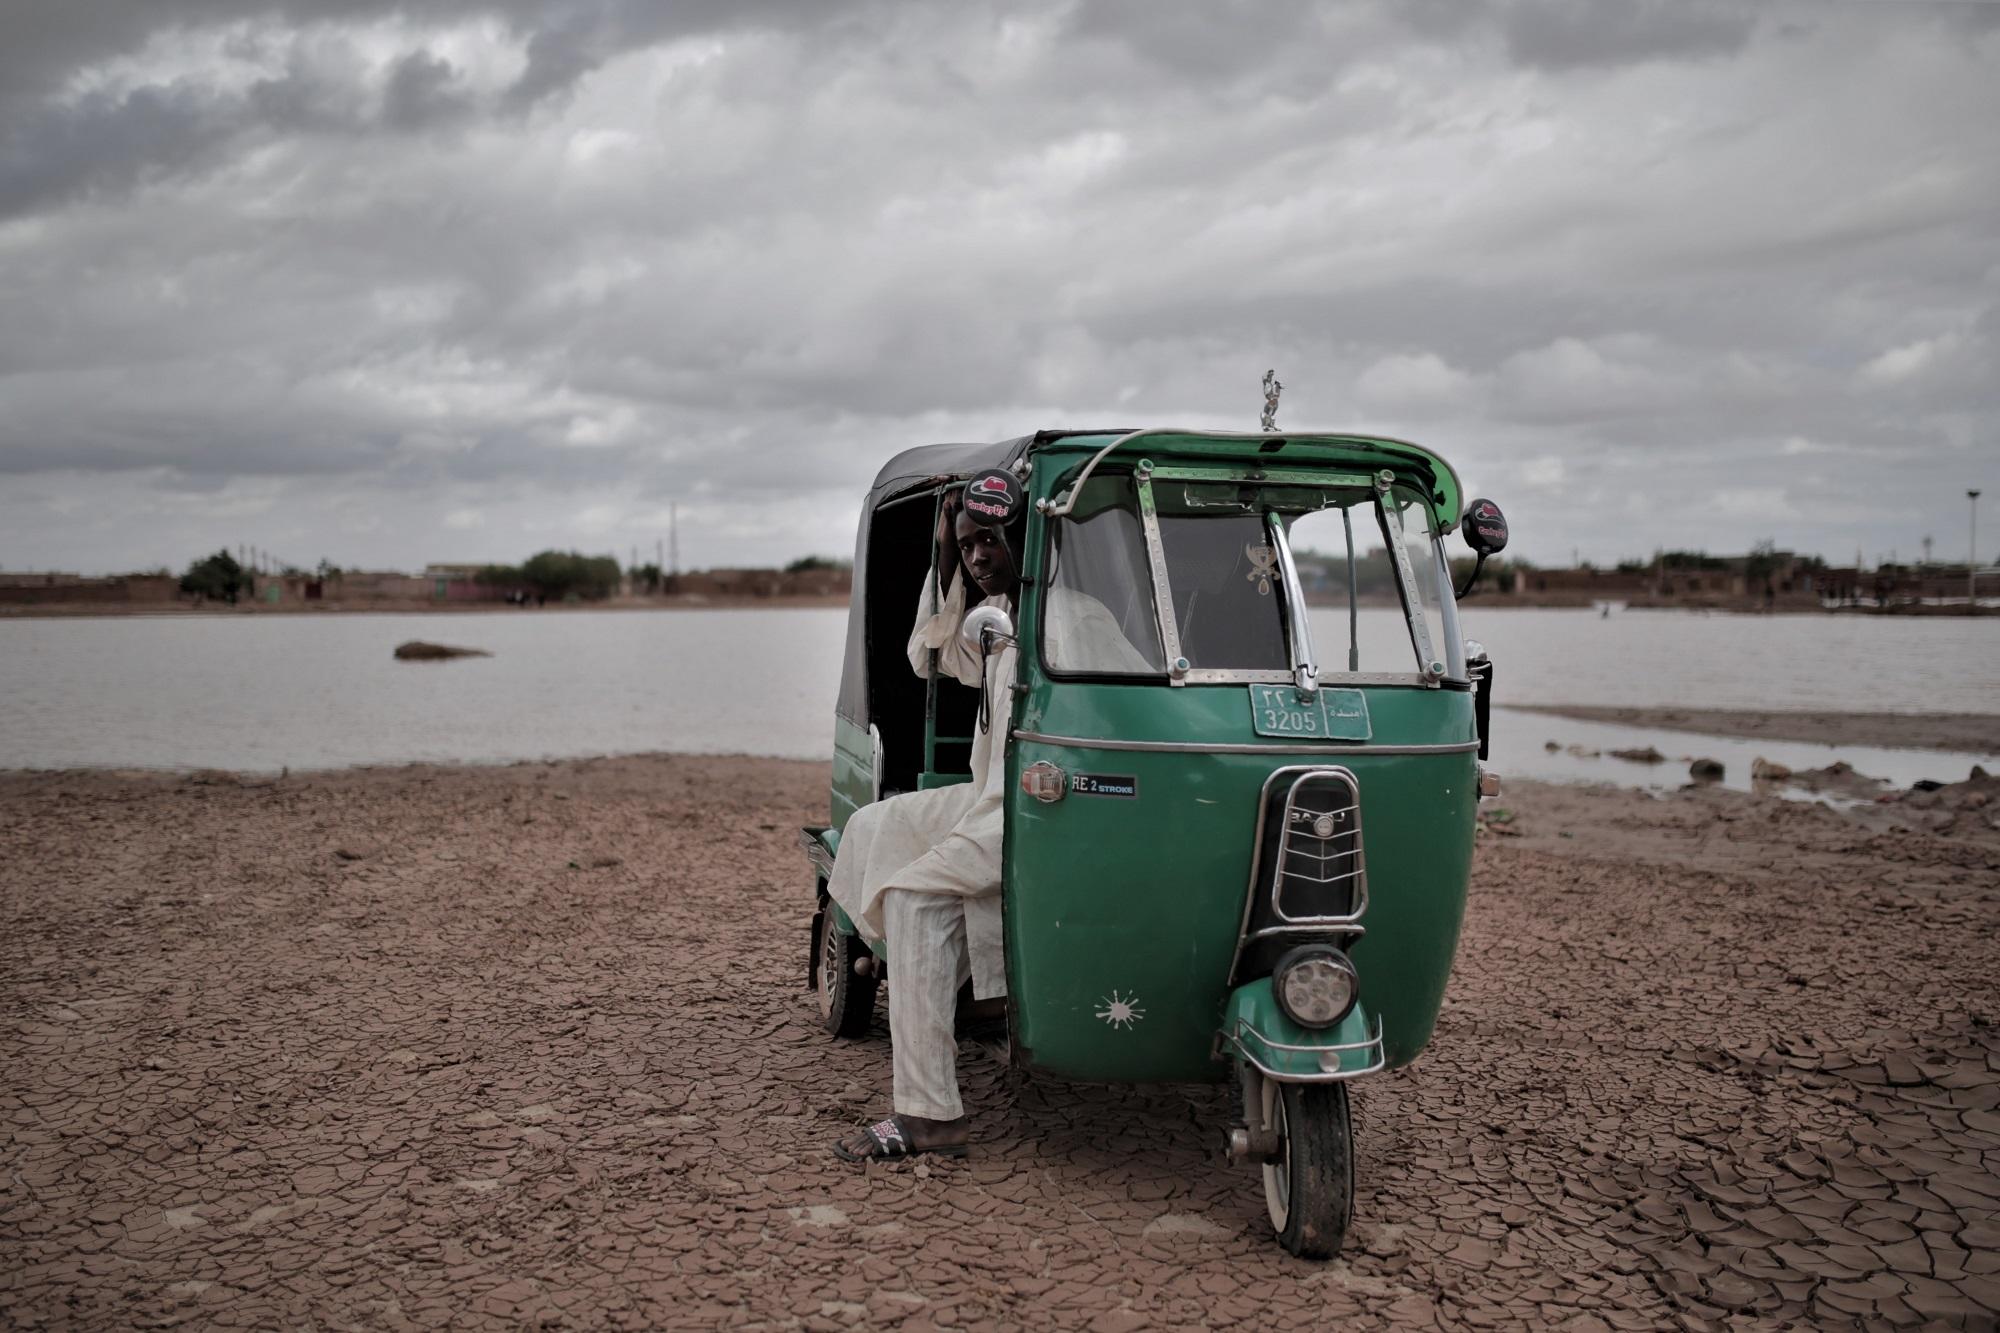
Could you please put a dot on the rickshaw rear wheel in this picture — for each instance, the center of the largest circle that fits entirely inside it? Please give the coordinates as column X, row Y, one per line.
column 846, row 999
column 1309, row 1181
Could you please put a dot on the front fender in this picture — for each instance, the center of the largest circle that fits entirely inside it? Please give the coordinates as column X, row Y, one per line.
column 1257, row 1031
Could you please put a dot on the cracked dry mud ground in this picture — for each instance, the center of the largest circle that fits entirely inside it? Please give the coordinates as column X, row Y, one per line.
column 529, row 1046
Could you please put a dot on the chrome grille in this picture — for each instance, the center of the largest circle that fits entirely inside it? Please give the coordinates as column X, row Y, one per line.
column 1320, row 878
column 1308, row 879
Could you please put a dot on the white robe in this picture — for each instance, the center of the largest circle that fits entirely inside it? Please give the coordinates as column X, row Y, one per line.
column 948, row 840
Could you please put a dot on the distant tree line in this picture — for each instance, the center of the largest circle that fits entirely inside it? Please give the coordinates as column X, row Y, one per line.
column 808, row 563
column 558, row 574
column 1762, row 561
column 217, row 577
column 1375, row 577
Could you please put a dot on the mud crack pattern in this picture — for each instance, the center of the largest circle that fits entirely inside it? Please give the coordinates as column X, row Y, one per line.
column 530, row 1045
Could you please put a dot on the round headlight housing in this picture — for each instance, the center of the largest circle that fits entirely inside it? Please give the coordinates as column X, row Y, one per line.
column 1315, row 985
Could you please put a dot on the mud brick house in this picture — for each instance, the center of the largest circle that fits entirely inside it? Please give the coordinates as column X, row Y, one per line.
column 48, row 588
column 460, row 583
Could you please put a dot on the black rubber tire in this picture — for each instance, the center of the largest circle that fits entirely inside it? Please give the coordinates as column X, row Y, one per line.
column 846, row 1001
column 1315, row 1161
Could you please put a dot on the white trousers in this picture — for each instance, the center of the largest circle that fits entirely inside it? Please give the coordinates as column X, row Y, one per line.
column 928, row 962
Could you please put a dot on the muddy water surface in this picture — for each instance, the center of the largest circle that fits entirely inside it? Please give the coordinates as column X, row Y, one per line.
column 260, row 693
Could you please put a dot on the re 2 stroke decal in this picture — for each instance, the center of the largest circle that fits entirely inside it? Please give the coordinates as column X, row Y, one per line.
column 1104, row 784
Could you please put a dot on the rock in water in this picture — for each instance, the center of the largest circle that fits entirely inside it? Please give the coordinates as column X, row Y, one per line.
column 1765, row 770
column 1645, row 755
column 1838, row 779
column 1706, row 770
column 416, row 650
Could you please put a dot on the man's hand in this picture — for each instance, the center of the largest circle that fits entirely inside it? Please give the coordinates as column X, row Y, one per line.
column 947, row 529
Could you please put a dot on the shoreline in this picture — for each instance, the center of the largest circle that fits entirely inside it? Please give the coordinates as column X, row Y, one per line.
column 1968, row 733
column 178, row 611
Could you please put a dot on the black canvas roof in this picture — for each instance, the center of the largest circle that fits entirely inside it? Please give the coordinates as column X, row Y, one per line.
column 942, row 460
column 905, row 472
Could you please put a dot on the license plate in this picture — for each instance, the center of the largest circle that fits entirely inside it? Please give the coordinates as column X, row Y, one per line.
column 1330, row 715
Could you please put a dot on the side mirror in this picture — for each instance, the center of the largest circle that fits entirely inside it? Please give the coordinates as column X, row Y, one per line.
column 986, row 628
column 1484, row 527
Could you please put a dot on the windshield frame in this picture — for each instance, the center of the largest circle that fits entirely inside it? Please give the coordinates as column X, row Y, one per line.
column 1179, row 672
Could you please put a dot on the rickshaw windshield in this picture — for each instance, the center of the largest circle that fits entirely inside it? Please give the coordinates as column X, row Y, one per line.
column 1099, row 617
column 1224, row 580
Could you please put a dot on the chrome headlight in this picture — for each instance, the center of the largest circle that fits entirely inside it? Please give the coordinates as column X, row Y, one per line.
column 1315, row 985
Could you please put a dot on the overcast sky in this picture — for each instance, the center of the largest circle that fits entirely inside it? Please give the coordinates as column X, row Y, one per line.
column 456, row 282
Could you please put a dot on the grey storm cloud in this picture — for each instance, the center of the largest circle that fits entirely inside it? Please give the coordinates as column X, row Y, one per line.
column 390, row 283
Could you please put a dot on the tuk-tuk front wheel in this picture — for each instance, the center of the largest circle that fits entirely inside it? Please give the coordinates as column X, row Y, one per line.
column 1309, row 1180
column 846, row 998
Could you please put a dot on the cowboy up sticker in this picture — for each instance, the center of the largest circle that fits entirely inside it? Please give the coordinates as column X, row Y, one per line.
column 1486, row 527
column 993, row 498
column 1104, row 784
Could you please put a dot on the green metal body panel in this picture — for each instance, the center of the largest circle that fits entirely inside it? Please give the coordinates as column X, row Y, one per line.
column 1141, row 900
column 853, row 770
column 1262, row 1027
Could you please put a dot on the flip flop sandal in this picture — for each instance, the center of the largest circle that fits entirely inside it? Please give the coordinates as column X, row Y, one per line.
column 887, row 1142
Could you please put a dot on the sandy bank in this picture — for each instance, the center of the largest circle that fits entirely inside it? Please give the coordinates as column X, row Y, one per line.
column 1977, row 733
column 70, row 611
column 494, row 1047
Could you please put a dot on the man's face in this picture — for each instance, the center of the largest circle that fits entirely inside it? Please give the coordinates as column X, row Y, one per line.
column 985, row 556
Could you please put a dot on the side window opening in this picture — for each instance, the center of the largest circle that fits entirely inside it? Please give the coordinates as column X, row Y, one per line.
column 899, row 552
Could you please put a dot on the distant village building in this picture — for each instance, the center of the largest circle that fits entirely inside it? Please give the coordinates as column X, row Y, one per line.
column 1770, row 578
column 760, row 583
column 461, row 583
column 357, row 585
column 51, row 588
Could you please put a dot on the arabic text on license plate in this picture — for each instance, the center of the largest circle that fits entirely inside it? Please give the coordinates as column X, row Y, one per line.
column 1330, row 715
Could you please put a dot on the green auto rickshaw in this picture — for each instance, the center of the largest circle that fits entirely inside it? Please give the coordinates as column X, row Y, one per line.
column 1247, row 861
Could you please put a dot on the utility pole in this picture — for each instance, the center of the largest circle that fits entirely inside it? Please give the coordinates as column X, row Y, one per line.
column 1972, row 557
column 674, row 536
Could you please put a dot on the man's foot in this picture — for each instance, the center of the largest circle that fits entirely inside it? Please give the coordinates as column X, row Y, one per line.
column 904, row 1136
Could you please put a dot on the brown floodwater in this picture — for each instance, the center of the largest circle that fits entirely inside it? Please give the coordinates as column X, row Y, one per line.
column 261, row 693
